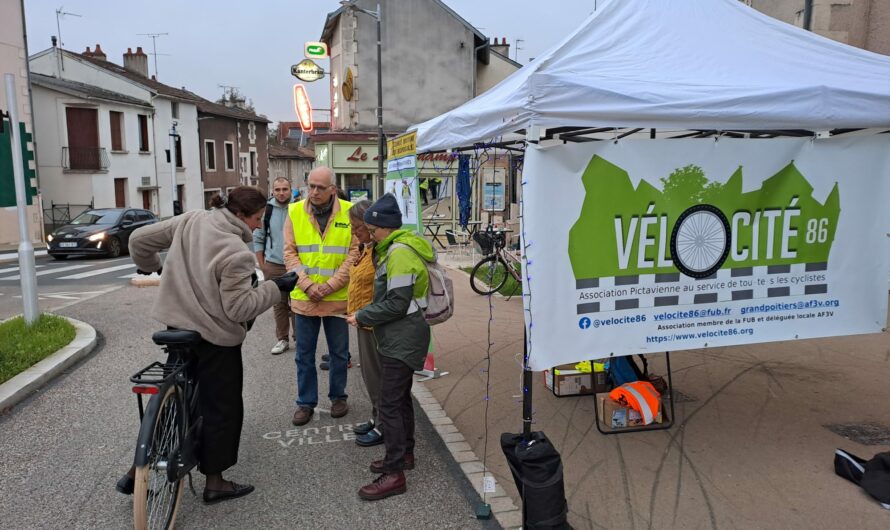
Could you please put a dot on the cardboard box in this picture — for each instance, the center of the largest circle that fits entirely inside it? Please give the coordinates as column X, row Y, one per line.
column 571, row 382
column 615, row 416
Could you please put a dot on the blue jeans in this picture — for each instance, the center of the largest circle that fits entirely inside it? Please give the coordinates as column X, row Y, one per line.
column 336, row 331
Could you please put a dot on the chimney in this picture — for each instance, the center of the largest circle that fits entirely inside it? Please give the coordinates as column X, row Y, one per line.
column 87, row 52
column 136, row 62
column 501, row 47
column 99, row 54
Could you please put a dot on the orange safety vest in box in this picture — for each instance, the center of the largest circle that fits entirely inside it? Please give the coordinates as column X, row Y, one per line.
column 640, row 396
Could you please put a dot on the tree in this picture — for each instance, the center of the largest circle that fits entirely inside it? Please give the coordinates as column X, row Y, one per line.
column 234, row 99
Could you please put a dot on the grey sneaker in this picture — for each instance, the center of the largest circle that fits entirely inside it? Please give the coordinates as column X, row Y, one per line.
column 280, row 347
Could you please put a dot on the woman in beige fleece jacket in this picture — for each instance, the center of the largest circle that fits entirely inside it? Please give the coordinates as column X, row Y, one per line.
column 206, row 286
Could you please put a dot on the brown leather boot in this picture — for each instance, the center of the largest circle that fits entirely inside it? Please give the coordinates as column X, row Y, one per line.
column 339, row 408
column 302, row 415
column 384, row 486
column 377, row 465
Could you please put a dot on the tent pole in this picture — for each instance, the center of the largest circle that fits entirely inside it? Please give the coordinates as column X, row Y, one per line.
column 526, row 389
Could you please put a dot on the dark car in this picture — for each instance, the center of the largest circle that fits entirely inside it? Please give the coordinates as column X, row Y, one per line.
column 104, row 232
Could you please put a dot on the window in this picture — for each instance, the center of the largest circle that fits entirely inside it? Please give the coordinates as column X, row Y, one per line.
column 117, row 130
column 174, row 109
column 142, row 216
column 143, row 133
column 209, row 194
column 253, row 164
column 129, row 217
column 179, row 151
column 251, row 132
column 210, row 155
column 230, row 156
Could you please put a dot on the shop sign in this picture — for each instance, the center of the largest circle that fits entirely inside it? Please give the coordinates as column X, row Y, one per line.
column 348, row 85
column 355, row 156
column 315, row 50
column 306, row 70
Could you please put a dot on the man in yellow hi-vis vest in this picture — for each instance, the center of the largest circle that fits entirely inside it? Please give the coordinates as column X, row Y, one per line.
column 318, row 245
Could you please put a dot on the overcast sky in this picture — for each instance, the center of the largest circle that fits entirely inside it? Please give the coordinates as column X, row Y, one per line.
column 251, row 44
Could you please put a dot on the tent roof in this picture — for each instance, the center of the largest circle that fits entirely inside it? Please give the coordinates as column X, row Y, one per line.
column 678, row 64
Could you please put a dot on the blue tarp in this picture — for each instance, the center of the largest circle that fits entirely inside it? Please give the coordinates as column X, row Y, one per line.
column 464, row 189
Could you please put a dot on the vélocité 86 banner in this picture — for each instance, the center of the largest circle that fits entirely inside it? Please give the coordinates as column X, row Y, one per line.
column 661, row 245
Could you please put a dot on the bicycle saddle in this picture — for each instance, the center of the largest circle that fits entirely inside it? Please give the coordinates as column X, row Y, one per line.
column 176, row 337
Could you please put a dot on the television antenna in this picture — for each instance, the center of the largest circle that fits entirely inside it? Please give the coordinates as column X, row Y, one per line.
column 154, row 47
column 60, row 12
column 516, row 54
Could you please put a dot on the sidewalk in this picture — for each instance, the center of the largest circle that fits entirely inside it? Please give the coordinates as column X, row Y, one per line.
column 748, row 448
column 62, row 449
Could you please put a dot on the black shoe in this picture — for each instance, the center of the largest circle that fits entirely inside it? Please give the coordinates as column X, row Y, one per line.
column 325, row 366
column 125, row 485
column 363, row 428
column 326, row 357
column 373, row 437
column 238, row 490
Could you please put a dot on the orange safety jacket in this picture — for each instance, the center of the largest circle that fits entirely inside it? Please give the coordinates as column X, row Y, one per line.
column 640, row 396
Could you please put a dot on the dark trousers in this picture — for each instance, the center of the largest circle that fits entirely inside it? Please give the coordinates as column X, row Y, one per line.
column 220, row 378
column 283, row 314
column 396, row 412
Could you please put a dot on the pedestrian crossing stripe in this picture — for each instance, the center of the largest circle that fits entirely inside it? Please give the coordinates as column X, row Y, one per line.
column 97, row 272
column 49, row 271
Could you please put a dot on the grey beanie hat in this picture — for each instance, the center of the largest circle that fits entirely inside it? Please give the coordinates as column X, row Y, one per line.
column 385, row 213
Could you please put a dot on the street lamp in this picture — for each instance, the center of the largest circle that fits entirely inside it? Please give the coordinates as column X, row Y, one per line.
column 381, row 141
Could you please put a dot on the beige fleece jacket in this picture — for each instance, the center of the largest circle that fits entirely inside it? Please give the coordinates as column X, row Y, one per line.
column 206, row 283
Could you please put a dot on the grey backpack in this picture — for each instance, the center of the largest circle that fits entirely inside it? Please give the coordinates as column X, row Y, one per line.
column 440, row 294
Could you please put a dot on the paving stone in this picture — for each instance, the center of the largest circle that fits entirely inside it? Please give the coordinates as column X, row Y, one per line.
column 456, row 447
column 472, row 467
column 441, row 421
column 510, row 520
column 453, row 437
column 445, row 429
column 464, row 456
column 435, row 414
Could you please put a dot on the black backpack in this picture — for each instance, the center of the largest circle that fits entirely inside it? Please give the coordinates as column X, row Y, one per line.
column 267, row 218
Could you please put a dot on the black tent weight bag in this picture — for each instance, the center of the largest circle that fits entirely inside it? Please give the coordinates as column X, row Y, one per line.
column 537, row 471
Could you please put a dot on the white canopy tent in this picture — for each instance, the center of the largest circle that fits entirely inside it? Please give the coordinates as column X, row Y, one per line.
column 679, row 64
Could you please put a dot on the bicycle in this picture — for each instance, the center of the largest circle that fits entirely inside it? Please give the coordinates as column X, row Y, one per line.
column 490, row 273
column 167, row 445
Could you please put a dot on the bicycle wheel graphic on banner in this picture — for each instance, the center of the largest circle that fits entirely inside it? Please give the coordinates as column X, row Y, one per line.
column 700, row 241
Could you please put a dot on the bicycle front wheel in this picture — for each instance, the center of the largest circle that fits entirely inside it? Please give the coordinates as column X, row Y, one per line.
column 155, row 498
column 488, row 275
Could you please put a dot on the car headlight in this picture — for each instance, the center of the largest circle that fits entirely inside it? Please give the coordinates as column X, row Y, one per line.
column 97, row 237
column 49, row 237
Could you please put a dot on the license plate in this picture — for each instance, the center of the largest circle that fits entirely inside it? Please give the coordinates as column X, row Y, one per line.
column 68, row 244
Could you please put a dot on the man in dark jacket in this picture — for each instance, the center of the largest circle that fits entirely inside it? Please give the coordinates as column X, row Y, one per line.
column 403, row 337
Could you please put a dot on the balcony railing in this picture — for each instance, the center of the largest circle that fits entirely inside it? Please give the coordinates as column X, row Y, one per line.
column 84, row 158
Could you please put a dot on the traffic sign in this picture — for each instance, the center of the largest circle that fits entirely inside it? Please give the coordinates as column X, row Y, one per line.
column 306, row 70
column 315, row 50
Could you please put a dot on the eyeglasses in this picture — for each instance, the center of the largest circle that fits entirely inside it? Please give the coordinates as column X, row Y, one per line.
column 319, row 187
column 371, row 230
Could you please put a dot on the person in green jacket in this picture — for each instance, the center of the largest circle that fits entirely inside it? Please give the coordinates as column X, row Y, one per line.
column 402, row 334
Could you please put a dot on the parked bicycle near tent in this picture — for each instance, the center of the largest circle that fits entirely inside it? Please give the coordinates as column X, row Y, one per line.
column 490, row 274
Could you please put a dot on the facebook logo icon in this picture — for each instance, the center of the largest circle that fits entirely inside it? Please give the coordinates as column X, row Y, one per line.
column 584, row 323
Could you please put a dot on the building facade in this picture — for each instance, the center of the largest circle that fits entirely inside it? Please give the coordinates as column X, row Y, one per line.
column 861, row 23
column 172, row 110
column 94, row 147
column 292, row 163
column 446, row 59
column 234, row 149
column 13, row 53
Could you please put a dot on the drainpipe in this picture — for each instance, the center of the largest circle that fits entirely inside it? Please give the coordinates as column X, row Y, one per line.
column 808, row 15
column 473, row 66
column 154, row 156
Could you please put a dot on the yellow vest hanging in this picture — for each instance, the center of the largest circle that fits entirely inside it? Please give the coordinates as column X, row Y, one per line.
column 321, row 258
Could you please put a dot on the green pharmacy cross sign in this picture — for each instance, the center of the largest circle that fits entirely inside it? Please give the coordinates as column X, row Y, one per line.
column 316, row 50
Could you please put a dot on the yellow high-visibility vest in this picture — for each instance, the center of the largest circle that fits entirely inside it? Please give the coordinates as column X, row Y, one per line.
column 321, row 258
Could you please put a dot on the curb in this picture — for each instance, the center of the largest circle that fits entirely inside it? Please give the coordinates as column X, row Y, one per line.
column 502, row 508
column 22, row 385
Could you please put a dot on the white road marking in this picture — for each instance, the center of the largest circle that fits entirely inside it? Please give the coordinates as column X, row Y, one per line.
column 15, row 269
column 97, row 272
column 50, row 271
